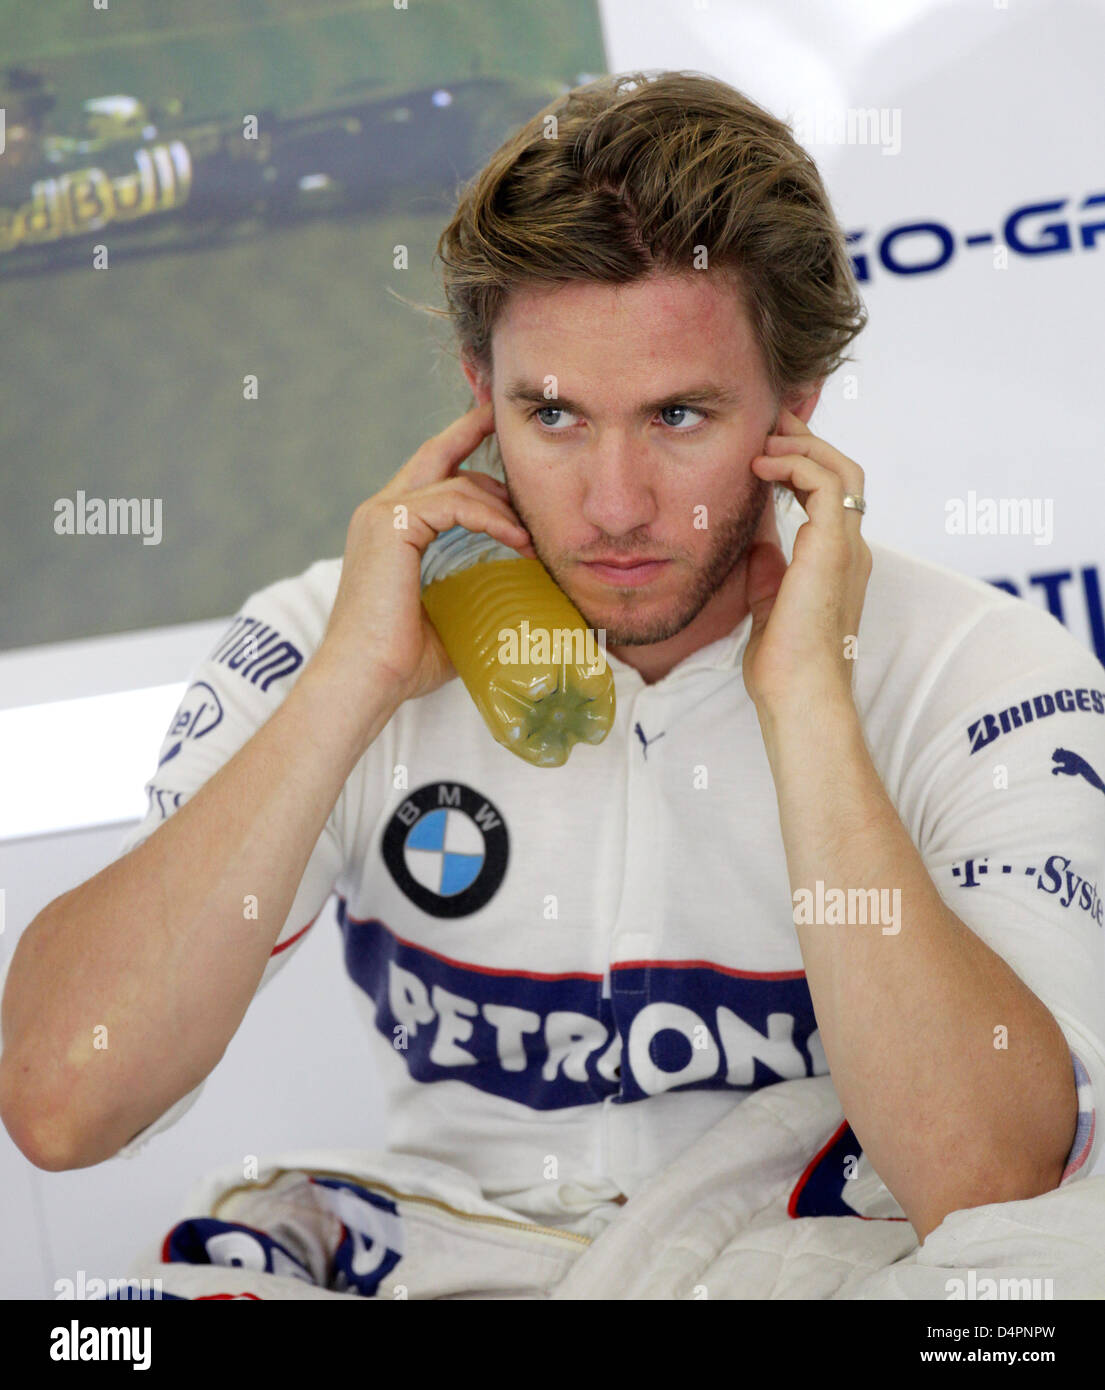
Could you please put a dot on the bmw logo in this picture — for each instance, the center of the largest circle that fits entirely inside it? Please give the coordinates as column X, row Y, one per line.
column 447, row 848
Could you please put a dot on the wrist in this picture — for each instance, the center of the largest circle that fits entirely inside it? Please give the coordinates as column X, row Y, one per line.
column 808, row 711
column 353, row 698
column 829, row 691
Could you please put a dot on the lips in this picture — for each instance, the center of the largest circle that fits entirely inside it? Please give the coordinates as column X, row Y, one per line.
column 629, row 574
column 616, row 562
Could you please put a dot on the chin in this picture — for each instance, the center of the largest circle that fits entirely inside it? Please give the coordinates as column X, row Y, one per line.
column 644, row 627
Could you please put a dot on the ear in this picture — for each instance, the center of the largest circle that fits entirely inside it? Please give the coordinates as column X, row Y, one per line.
column 481, row 388
column 803, row 404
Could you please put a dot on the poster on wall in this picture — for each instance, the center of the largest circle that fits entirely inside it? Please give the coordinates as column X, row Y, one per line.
column 212, row 219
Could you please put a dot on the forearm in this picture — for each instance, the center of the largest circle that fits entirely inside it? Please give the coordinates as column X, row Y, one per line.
column 123, row 993
column 913, row 1019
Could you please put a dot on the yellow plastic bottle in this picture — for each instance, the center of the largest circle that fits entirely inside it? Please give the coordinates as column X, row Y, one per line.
column 537, row 673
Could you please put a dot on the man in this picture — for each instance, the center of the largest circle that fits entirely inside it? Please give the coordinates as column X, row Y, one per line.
column 787, row 858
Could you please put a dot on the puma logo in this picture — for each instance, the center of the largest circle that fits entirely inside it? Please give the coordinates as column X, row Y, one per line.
column 645, row 742
column 1073, row 765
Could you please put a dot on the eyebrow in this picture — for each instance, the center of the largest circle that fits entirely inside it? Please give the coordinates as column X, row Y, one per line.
column 705, row 393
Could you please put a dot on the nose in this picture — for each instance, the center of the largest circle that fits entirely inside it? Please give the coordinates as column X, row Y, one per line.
column 618, row 492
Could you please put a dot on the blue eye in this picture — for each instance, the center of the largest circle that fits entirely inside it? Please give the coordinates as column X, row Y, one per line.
column 684, row 409
column 545, row 409
column 666, row 410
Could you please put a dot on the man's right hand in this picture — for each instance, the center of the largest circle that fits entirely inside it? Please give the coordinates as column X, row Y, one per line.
column 378, row 629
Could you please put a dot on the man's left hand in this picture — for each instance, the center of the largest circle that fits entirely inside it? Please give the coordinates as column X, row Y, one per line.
column 804, row 613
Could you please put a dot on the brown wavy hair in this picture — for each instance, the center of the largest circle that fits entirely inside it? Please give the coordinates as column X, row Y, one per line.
column 636, row 174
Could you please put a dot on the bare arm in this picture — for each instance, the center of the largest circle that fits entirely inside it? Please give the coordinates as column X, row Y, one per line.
column 156, row 948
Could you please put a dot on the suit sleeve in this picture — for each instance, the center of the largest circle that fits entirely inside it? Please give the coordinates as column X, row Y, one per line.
column 230, row 695
column 1004, row 790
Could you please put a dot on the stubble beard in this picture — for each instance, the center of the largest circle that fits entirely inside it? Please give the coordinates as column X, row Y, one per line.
column 624, row 628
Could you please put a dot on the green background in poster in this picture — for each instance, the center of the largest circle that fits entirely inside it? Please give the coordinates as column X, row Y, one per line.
column 128, row 382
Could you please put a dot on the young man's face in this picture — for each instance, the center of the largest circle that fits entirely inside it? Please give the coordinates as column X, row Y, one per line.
column 598, row 470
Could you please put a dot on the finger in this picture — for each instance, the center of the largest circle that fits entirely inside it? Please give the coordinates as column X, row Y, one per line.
column 786, row 422
column 461, row 495
column 498, row 489
column 442, row 513
column 793, row 436
column 502, row 526
column 485, row 481
column 440, row 456
column 824, row 455
column 819, row 490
